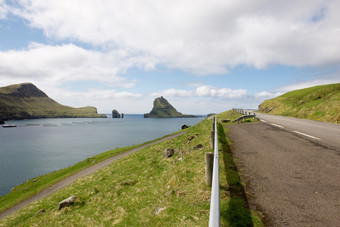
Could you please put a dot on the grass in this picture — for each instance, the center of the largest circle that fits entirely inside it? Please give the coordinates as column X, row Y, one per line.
column 320, row 103
column 130, row 191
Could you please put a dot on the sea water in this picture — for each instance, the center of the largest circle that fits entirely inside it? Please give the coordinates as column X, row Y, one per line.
column 39, row 146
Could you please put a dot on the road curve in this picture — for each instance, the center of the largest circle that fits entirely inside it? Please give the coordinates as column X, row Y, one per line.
column 324, row 133
column 69, row 180
column 292, row 179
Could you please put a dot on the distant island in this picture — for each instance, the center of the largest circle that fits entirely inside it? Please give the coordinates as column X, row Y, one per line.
column 26, row 101
column 163, row 109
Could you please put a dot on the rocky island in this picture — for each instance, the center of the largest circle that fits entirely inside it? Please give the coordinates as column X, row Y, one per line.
column 26, row 101
column 163, row 109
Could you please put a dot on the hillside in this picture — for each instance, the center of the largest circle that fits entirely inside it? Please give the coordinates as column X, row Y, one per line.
column 163, row 109
column 26, row 101
column 320, row 103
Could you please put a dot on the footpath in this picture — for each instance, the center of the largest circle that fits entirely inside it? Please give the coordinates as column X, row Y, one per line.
column 69, row 180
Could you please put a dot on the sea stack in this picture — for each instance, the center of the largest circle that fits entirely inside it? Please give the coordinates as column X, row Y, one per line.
column 115, row 114
column 163, row 109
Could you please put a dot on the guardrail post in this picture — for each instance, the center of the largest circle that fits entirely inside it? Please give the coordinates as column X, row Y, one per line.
column 209, row 159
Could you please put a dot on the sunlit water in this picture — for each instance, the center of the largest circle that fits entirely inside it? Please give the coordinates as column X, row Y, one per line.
column 37, row 147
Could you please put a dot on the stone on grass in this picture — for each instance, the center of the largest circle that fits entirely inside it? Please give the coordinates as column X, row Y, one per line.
column 198, row 146
column 67, row 202
column 168, row 152
column 158, row 210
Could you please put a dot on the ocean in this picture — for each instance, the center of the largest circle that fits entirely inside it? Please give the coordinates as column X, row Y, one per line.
column 39, row 146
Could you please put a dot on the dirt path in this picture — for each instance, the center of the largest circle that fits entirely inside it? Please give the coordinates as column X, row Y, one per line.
column 294, row 181
column 69, row 180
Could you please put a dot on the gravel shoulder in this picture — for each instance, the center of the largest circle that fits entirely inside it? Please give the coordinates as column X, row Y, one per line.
column 69, row 180
column 292, row 180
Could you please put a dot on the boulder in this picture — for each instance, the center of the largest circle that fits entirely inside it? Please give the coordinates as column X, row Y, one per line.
column 67, row 202
column 168, row 152
column 198, row 146
column 115, row 114
column 185, row 126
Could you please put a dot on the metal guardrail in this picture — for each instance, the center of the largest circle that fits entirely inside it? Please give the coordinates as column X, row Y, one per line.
column 214, row 216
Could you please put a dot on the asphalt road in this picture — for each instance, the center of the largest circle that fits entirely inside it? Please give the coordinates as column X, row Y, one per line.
column 325, row 133
column 293, row 179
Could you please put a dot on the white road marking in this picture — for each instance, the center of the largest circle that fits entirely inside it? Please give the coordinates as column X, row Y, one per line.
column 277, row 125
column 301, row 133
column 262, row 120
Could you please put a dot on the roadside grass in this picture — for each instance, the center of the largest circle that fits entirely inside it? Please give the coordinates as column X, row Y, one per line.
column 145, row 189
column 320, row 103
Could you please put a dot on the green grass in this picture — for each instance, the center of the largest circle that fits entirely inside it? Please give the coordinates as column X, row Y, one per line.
column 127, row 192
column 320, row 103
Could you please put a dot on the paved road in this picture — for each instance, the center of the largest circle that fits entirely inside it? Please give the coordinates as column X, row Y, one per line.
column 69, row 180
column 326, row 133
column 293, row 179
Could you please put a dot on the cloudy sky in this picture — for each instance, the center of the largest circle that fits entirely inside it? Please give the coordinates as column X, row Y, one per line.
column 203, row 56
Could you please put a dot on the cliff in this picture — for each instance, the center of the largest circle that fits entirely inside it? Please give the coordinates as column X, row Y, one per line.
column 26, row 101
column 163, row 109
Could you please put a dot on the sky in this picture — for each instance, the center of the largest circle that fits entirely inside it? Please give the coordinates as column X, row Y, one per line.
column 202, row 56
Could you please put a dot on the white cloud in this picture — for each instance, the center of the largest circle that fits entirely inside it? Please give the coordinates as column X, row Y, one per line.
column 3, row 9
column 267, row 95
column 201, row 37
column 59, row 64
column 203, row 91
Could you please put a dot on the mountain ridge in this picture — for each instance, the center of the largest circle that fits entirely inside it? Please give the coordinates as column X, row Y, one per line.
column 26, row 101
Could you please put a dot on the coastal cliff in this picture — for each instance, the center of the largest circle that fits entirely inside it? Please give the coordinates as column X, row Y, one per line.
column 26, row 101
column 163, row 109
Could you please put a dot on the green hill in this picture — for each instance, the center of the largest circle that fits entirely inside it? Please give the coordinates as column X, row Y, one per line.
column 163, row 109
column 26, row 101
column 320, row 103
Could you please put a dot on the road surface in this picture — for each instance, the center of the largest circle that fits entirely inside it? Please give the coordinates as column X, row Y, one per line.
column 69, row 180
column 294, row 179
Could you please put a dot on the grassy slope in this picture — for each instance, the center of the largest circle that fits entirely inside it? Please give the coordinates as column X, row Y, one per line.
column 128, row 192
column 38, row 107
column 320, row 103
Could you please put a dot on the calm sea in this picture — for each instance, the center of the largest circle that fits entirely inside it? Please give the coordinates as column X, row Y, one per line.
column 36, row 147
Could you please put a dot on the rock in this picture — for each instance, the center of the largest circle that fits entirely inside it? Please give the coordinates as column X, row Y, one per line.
column 169, row 193
column 185, row 126
column 168, row 152
column 41, row 211
column 225, row 120
column 67, row 202
column 158, row 210
column 198, row 146
column 163, row 109
column 301, row 102
column 115, row 114
column 189, row 139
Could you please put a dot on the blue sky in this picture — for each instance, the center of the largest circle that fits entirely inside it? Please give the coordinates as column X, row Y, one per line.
column 202, row 57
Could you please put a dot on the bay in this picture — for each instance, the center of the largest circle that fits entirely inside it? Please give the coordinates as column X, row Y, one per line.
column 40, row 146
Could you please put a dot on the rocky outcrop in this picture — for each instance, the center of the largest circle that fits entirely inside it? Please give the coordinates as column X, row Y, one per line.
column 115, row 114
column 163, row 109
